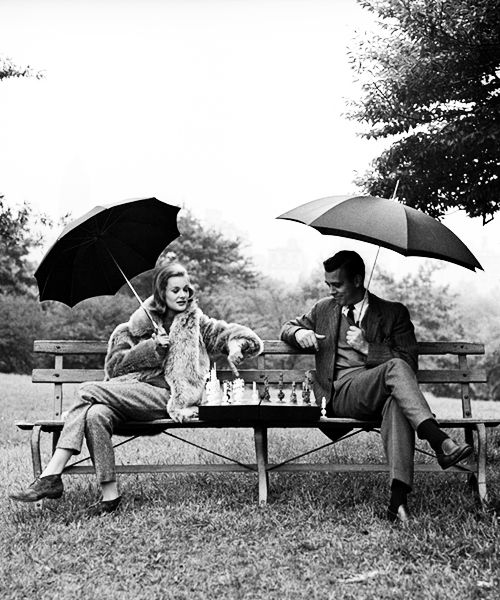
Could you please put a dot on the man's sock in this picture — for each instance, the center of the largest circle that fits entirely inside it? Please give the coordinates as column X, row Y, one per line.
column 429, row 430
column 399, row 494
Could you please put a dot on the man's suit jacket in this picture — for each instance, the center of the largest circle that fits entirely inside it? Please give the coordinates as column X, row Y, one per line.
column 387, row 327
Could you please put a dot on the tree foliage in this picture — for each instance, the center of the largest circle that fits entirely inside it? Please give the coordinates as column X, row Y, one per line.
column 431, row 81
column 16, row 242
column 213, row 261
column 9, row 69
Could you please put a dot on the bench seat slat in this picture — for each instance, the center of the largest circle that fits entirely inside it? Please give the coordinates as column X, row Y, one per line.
column 328, row 423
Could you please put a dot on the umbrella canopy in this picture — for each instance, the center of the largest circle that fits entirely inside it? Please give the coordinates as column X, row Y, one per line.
column 94, row 253
column 387, row 223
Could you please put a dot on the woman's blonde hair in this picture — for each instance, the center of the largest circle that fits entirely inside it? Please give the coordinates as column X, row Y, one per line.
column 162, row 275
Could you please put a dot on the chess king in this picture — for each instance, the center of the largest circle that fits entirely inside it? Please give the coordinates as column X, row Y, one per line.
column 366, row 363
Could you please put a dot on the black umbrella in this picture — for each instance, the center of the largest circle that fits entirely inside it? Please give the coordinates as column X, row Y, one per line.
column 384, row 222
column 97, row 252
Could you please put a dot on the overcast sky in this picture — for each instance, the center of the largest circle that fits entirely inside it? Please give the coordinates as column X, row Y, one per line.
column 231, row 108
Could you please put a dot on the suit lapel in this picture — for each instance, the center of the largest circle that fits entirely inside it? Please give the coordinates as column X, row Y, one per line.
column 372, row 319
column 334, row 321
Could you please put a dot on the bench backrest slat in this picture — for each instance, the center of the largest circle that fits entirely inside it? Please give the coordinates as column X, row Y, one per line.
column 60, row 376
column 70, row 346
column 270, row 347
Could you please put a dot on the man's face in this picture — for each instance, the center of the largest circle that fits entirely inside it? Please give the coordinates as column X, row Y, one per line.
column 344, row 290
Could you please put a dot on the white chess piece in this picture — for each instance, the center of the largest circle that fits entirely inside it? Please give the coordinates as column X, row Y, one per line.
column 238, row 389
column 323, row 407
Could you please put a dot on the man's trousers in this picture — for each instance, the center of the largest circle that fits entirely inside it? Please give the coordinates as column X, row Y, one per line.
column 101, row 407
column 389, row 392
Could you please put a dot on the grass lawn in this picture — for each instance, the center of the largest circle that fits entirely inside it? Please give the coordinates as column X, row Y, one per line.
column 204, row 537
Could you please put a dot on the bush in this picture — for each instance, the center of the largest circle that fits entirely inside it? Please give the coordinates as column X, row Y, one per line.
column 21, row 321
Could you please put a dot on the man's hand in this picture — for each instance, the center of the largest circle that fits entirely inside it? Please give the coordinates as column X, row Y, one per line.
column 306, row 338
column 356, row 339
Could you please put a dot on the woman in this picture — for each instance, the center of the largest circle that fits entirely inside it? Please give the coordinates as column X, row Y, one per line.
column 155, row 368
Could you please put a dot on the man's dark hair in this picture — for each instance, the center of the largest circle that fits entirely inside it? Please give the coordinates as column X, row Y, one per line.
column 350, row 261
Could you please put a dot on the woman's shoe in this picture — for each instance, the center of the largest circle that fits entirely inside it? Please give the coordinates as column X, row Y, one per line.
column 50, row 486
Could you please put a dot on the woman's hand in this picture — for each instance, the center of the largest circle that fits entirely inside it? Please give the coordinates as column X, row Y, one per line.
column 161, row 337
column 235, row 355
column 235, row 352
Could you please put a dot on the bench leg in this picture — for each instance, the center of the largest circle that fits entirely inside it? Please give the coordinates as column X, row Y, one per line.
column 469, row 436
column 35, row 450
column 481, row 464
column 55, row 438
column 260, row 436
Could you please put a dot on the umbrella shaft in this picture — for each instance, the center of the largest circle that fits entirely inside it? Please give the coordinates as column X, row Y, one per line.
column 155, row 326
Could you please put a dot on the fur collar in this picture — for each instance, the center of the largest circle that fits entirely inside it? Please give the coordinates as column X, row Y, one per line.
column 141, row 326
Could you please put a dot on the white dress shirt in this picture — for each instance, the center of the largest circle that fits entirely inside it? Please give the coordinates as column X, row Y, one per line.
column 359, row 309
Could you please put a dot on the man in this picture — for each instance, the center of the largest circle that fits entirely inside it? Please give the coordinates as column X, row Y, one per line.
column 366, row 360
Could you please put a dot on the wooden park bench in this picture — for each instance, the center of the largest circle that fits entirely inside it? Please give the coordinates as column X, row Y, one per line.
column 267, row 366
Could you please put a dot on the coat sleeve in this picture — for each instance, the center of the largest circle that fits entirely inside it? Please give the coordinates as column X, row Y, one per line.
column 127, row 355
column 218, row 334
column 400, row 343
column 290, row 328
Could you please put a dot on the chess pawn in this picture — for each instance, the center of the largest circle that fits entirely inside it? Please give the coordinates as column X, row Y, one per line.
column 293, row 394
column 306, row 392
column 255, row 395
column 281, row 394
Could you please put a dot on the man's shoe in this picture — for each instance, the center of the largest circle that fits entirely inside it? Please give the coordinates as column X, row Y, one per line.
column 452, row 453
column 104, row 507
column 401, row 516
column 50, row 486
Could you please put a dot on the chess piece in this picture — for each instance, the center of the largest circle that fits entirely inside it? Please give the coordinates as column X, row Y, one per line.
column 323, row 407
column 301, row 397
column 212, row 387
column 307, row 389
column 293, row 394
column 265, row 396
column 281, row 394
column 255, row 395
column 238, row 389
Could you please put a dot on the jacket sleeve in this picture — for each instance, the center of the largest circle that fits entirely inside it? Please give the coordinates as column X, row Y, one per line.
column 125, row 355
column 400, row 343
column 217, row 335
column 290, row 328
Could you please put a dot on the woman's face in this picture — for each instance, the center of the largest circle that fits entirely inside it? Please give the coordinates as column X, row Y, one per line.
column 177, row 293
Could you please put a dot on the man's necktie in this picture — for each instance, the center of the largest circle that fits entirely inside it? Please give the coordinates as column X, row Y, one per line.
column 350, row 314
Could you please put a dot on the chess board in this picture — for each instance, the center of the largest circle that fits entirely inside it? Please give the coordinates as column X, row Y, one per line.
column 261, row 412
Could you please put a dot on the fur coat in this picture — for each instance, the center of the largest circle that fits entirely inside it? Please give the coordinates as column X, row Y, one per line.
column 182, row 367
